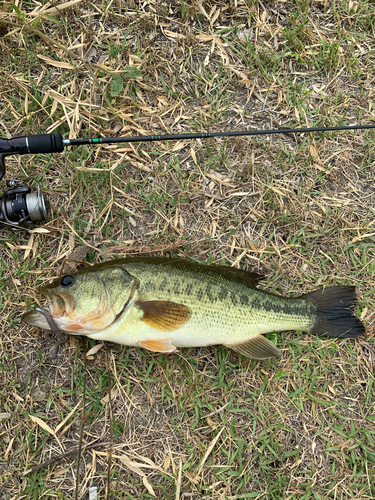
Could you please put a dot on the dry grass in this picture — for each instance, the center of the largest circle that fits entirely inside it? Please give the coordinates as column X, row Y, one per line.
column 203, row 423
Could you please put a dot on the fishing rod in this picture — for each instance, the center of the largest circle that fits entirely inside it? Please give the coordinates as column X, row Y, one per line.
column 19, row 207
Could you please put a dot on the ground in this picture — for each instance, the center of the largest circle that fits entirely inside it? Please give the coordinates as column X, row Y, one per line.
column 298, row 208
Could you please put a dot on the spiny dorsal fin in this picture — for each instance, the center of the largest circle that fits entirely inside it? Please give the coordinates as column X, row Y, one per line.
column 216, row 272
column 163, row 345
column 164, row 315
column 257, row 348
column 250, row 278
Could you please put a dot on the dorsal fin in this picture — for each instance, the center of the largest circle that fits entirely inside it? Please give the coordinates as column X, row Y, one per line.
column 215, row 272
column 249, row 277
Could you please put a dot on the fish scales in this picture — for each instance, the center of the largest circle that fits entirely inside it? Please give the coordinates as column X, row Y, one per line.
column 222, row 311
column 163, row 304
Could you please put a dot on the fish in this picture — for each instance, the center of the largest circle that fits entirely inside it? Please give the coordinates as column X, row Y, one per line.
column 162, row 304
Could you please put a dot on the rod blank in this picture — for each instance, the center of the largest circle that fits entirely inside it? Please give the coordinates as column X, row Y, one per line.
column 203, row 135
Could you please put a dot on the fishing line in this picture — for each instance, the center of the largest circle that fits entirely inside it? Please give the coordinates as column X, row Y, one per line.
column 73, row 451
column 55, row 329
column 110, row 424
column 83, row 340
column 61, row 339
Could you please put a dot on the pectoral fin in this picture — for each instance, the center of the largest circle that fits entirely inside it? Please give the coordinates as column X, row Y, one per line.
column 257, row 348
column 163, row 315
column 163, row 345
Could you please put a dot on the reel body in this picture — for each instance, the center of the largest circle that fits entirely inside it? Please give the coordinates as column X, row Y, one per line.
column 19, row 207
column 22, row 208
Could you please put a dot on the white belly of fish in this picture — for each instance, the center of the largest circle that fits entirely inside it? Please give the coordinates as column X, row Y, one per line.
column 216, row 327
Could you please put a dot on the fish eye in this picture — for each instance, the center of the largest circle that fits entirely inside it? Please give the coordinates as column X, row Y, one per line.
column 67, row 280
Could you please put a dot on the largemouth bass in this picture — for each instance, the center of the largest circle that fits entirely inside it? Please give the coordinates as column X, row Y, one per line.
column 162, row 304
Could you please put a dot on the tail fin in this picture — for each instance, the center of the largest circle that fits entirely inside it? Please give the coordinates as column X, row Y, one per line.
column 335, row 307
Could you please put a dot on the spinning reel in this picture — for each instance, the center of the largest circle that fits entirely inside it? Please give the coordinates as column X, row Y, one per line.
column 19, row 207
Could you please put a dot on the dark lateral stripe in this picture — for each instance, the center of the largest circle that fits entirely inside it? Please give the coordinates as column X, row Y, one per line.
column 292, row 307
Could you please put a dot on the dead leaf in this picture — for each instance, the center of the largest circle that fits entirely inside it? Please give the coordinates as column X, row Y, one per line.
column 178, row 482
column 313, row 151
column 192, row 153
column 243, row 34
column 114, row 394
column 352, row 6
column 362, row 317
column 172, row 34
column 94, row 349
column 210, row 422
column 87, row 52
column 30, row 247
column 53, row 11
column 361, row 237
column 167, row 462
column 60, row 472
column 148, row 486
column 56, row 64
column 102, row 58
column 297, row 462
column 40, row 230
column 215, row 16
column 91, row 169
column 204, row 38
column 9, row 448
column 61, row 424
column 42, row 424
column 132, row 221
column 128, row 464
column 79, row 254
column 178, row 146
column 208, row 451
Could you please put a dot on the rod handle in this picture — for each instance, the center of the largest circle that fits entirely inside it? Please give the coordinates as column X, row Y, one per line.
column 45, row 143
column 42, row 143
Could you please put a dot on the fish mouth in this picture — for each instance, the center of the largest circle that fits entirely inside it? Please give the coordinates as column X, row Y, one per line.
column 36, row 318
column 58, row 304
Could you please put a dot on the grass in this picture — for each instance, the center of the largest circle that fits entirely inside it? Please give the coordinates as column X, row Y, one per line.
column 203, row 423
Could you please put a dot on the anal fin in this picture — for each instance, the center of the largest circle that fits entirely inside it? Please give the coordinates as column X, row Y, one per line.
column 163, row 345
column 257, row 348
